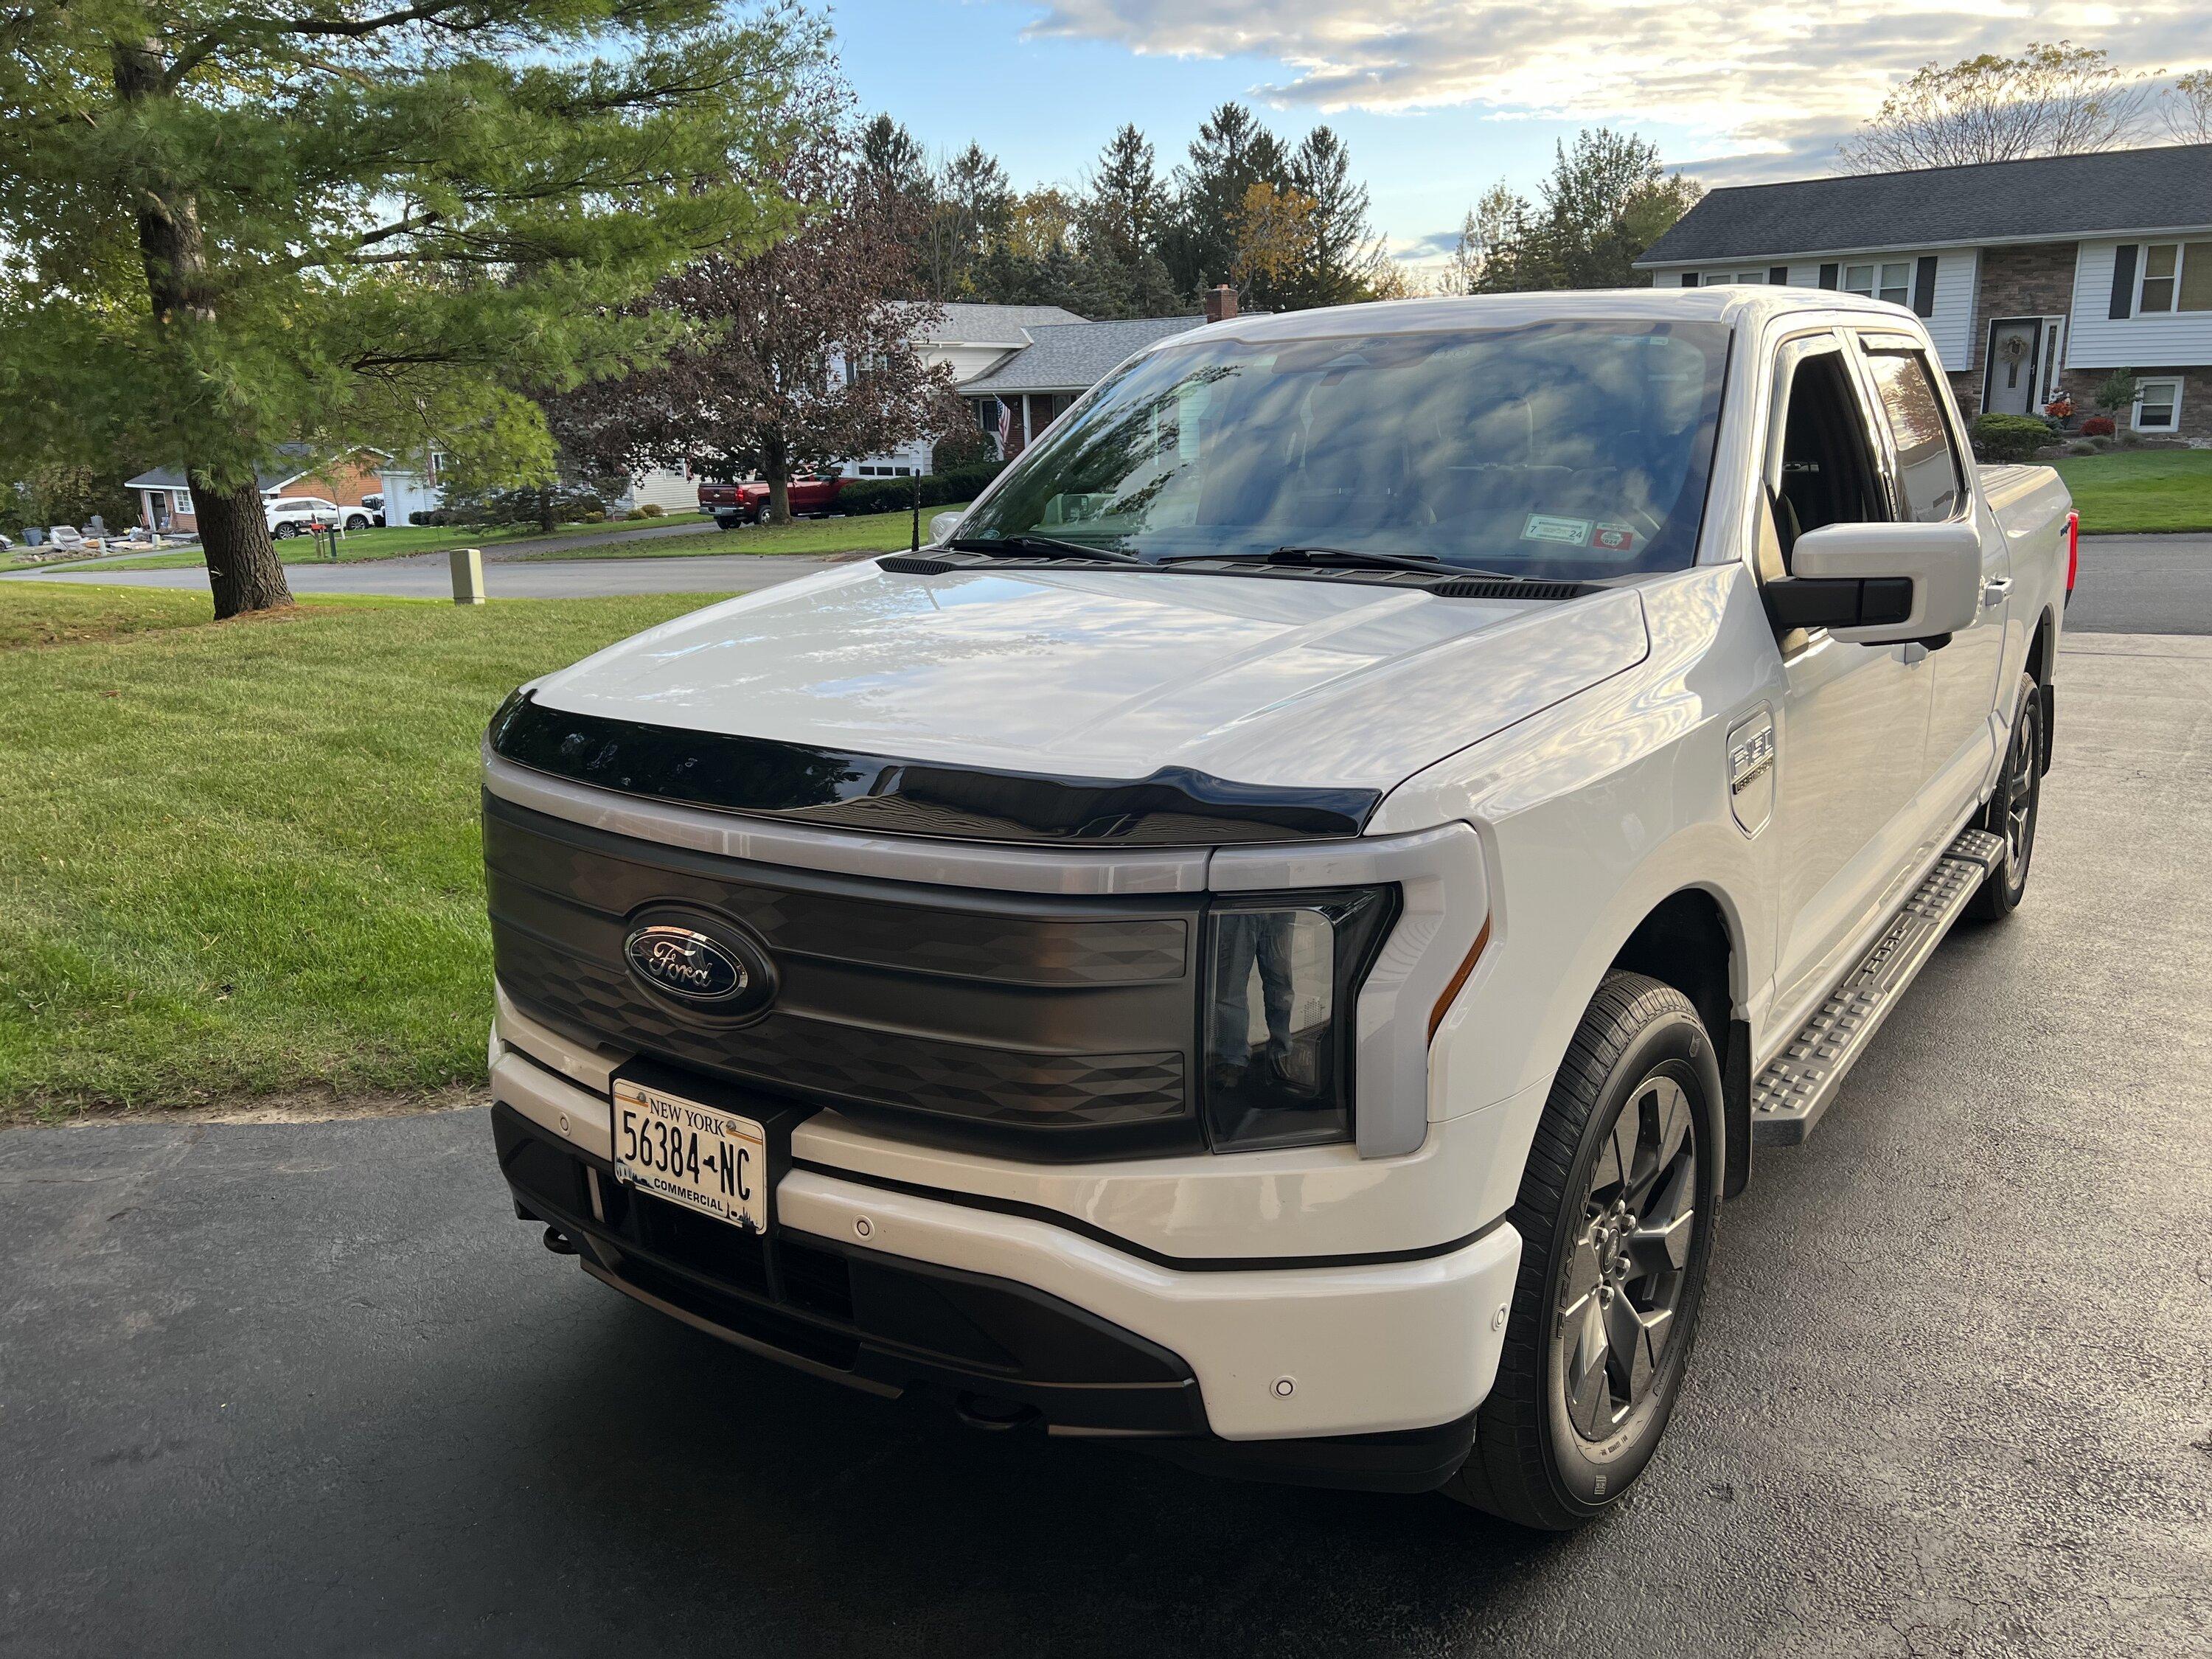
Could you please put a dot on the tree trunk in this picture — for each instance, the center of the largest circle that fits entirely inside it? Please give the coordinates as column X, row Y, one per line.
column 242, row 568
column 776, row 467
column 241, row 560
column 545, row 498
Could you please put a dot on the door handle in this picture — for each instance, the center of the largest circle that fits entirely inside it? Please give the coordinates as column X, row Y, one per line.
column 1995, row 589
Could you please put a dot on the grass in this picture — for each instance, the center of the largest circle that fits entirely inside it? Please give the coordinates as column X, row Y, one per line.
column 242, row 858
column 403, row 541
column 871, row 533
column 2138, row 490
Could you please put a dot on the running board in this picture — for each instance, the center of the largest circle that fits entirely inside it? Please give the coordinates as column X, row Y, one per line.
column 1796, row 1086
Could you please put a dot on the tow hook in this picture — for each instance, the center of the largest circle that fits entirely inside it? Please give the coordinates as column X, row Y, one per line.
column 559, row 1242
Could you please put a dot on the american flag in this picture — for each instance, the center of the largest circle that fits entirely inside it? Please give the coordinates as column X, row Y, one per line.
column 1006, row 425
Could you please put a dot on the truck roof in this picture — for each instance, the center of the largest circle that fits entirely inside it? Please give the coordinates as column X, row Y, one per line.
column 1728, row 303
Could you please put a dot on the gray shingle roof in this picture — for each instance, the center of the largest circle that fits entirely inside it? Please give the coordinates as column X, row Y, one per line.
column 289, row 461
column 2053, row 196
column 1074, row 357
column 973, row 322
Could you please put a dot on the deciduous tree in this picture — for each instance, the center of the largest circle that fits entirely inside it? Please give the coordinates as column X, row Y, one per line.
column 797, row 356
column 2187, row 110
column 2051, row 99
column 229, row 223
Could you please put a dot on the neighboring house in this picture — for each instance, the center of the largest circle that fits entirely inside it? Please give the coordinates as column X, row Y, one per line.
column 165, row 496
column 2038, row 278
column 1026, row 390
column 970, row 338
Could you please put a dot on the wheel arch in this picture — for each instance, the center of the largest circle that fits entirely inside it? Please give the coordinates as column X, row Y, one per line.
column 2042, row 666
column 1691, row 940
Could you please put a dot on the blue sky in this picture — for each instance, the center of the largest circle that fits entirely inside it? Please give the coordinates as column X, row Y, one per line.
column 1439, row 99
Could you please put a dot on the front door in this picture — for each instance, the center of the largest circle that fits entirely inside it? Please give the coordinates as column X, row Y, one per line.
column 1850, row 752
column 2012, row 366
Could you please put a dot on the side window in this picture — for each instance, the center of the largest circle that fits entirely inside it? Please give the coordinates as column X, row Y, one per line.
column 1827, row 477
column 1927, row 475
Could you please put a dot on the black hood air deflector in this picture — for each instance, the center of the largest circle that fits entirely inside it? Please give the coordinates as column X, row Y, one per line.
column 760, row 777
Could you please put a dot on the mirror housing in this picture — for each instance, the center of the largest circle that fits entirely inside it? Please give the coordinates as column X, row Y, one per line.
column 1883, row 584
column 944, row 527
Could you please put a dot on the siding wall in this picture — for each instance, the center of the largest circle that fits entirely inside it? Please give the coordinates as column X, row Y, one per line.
column 2099, row 340
column 1951, row 327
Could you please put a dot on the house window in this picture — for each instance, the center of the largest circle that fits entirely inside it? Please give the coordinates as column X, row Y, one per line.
column 436, row 465
column 180, row 503
column 1891, row 281
column 2176, row 277
column 2157, row 405
column 1713, row 278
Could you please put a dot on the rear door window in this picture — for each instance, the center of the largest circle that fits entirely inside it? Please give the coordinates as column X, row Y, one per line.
column 1928, row 479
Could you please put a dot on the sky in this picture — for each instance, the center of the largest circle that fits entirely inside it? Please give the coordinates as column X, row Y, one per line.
column 1440, row 99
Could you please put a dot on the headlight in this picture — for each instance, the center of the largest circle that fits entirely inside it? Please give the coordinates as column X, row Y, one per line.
column 1282, row 978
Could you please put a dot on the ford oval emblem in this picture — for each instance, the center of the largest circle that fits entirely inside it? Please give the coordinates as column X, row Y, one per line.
column 687, row 965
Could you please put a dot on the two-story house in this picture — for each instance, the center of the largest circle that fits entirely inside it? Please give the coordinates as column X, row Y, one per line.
column 2038, row 278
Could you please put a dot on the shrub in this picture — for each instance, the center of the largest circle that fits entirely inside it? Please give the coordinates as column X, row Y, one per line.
column 2083, row 447
column 2000, row 438
column 960, row 483
column 2098, row 426
column 2118, row 392
column 650, row 510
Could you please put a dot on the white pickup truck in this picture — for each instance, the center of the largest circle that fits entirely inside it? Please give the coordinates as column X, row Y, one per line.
column 1272, row 942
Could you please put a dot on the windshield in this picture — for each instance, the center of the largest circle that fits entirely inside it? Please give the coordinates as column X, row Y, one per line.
column 1570, row 449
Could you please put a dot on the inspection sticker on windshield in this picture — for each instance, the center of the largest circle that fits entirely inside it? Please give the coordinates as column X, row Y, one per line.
column 1614, row 538
column 1545, row 528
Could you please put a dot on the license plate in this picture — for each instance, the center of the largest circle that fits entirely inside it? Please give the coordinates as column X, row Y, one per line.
column 700, row 1157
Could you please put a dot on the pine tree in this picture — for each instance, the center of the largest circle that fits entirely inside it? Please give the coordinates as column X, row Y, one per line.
column 224, row 227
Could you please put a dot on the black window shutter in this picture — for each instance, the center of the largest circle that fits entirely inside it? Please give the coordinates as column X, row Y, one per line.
column 1923, row 286
column 2123, row 281
column 1778, row 276
column 1689, row 279
column 1828, row 275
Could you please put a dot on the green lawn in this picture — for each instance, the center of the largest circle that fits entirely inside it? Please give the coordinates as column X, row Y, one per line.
column 2142, row 489
column 242, row 858
column 869, row 533
column 400, row 541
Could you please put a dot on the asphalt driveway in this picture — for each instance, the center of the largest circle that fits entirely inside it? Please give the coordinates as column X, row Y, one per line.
column 310, row 1388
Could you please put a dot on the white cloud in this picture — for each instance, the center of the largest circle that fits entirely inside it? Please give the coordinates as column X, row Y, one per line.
column 1753, row 79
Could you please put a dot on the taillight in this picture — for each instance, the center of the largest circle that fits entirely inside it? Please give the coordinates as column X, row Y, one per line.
column 2072, row 549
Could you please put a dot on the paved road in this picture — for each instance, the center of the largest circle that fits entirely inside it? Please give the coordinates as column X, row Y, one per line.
column 2129, row 584
column 2143, row 585
column 275, row 1390
column 430, row 576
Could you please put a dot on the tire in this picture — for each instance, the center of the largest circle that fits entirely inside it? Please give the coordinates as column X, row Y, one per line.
column 1641, row 1055
column 356, row 521
column 760, row 514
column 2011, row 814
column 285, row 531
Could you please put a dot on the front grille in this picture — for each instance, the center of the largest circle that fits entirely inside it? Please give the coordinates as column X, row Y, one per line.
column 975, row 1013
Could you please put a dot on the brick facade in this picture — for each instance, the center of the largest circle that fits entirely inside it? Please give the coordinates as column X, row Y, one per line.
column 2033, row 280
column 2196, row 419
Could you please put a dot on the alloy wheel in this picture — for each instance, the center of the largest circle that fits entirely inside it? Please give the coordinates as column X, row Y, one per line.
column 2022, row 780
column 1625, row 1274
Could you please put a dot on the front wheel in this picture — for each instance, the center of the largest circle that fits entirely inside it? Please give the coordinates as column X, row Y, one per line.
column 1616, row 1214
column 357, row 521
column 2011, row 812
column 285, row 531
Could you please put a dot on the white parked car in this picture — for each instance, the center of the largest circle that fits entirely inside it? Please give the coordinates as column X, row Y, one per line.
column 292, row 515
column 1273, row 944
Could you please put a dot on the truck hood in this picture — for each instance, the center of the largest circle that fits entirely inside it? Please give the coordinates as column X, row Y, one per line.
column 1111, row 674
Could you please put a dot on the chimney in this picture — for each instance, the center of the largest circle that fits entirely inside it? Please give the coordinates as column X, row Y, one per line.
column 1220, row 303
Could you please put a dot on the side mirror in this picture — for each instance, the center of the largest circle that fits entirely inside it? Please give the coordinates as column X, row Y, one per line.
column 944, row 527
column 1881, row 584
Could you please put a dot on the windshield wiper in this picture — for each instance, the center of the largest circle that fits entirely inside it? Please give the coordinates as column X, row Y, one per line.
column 1350, row 558
column 1034, row 545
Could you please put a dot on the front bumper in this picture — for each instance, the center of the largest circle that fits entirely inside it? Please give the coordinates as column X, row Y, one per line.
column 1362, row 1374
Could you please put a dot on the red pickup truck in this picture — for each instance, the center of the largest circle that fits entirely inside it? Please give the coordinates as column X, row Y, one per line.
column 746, row 502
